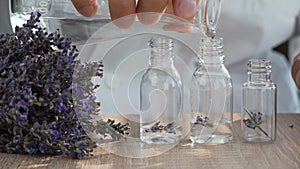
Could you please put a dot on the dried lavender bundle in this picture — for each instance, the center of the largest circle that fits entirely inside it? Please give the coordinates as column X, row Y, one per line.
column 38, row 112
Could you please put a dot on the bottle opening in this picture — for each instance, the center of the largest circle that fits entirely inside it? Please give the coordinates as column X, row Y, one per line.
column 211, row 50
column 259, row 66
column 161, row 43
column 161, row 46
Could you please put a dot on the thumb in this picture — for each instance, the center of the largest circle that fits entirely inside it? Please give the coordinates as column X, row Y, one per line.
column 86, row 7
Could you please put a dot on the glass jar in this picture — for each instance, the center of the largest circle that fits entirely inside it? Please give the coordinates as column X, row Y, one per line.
column 161, row 96
column 55, row 8
column 259, row 103
column 62, row 15
column 211, row 96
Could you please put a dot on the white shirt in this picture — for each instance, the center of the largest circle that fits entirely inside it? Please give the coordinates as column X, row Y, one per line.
column 250, row 30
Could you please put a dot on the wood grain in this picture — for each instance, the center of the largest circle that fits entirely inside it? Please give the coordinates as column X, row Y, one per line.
column 284, row 153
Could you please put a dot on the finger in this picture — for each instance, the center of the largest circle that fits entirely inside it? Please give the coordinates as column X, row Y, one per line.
column 298, row 79
column 169, row 9
column 146, row 6
column 296, row 71
column 122, row 12
column 86, row 7
column 185, row 8
column 181, row 28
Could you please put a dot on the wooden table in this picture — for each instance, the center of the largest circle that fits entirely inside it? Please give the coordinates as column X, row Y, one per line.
column 284, row 153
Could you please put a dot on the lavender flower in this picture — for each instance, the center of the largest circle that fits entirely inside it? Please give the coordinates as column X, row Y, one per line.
column 156, row 127
column 203, row 121
column 38, row 112
column 169, row 128
column 254, row 121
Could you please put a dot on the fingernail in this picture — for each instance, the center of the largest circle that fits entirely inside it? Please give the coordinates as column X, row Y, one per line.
column 87, row 10
column 149, row 18
column 125, row 22
column 187, row 9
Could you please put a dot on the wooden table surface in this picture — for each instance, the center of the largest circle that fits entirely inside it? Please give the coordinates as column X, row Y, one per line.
column 284, row 153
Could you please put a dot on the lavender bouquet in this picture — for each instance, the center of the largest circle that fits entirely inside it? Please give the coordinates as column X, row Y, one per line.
column 38, row 112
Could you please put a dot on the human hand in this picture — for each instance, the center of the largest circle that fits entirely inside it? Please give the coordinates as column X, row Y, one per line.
column 296, row 70
column 185, row 9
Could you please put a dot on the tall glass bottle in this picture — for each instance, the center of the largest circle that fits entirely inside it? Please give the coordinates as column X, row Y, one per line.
column 161, row 96
column 259, row 103
column 211, row 96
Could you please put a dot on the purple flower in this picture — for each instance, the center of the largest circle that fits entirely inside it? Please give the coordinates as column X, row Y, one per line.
column 43, row 148
column 155, row 127
column 86, row 105
column 30, row 148
column 259, row 114
column 23, row 117
column 56, row 134
column 169, row 128
column 254, row 121
column 79, row 92
column 201, row 120
column 249, row 123
column 22, row 104
column 62, row 107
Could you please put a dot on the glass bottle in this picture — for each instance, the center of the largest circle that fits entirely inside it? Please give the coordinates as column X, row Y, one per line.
column 62, row 15
column 161, row 96
column 62, row 9
column 211, row 96
column 259, row 103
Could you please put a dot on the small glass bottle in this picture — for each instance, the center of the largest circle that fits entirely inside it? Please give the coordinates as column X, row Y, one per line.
column 161, row 96
column 259, row 103
column 211, row 96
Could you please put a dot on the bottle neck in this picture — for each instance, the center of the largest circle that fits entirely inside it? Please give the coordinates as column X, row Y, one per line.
column 161, row 52
column 259, row 71
column 211, row 51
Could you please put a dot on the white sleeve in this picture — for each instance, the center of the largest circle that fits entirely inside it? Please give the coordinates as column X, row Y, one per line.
column 250, row 28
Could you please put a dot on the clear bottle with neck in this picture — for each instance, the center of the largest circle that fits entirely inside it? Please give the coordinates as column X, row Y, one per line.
column 211, row 96
column 161, row 96
column 259, row 103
